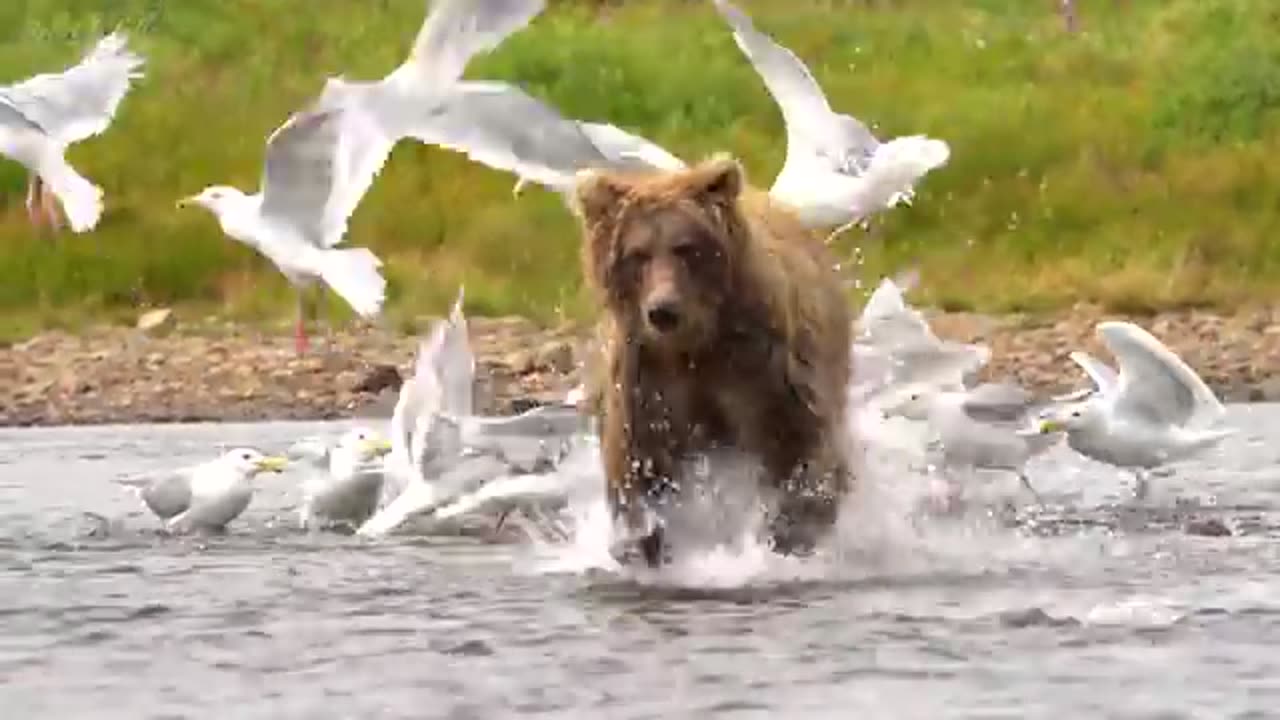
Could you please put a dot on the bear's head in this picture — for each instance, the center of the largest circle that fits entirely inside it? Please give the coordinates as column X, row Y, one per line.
column 662, row 249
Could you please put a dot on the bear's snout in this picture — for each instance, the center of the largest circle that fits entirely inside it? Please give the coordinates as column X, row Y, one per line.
column 663, row 315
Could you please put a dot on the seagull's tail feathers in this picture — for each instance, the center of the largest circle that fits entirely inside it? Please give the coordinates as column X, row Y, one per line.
column 81, row 200
column 353, row 274
column 898, row 164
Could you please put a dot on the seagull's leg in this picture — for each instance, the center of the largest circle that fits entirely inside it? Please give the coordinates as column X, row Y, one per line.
column 501, row 519
column 49, row 203
column 300, row 327
column 1141, row 487
column 845, row 227
column 1026, row 483
column 33, row 187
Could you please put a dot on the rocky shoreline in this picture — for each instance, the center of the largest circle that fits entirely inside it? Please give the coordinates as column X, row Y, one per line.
column 175, row 371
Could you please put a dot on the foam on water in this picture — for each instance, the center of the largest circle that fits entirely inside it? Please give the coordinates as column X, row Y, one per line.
column 882, row 528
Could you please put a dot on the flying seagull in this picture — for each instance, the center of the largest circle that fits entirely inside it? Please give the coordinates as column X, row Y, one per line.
column 41, row 116
column 836, row 173
column 300, row 212
column 328, row 155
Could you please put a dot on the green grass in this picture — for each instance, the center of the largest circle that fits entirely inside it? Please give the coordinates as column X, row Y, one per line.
column 1131, row 164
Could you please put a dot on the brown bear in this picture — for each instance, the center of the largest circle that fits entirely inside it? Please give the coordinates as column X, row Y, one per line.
column 725, row 325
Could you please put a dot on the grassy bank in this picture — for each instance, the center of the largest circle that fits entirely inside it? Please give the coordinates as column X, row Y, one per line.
column 1131, row 163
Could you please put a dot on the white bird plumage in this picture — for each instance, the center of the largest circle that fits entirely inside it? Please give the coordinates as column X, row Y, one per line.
column 290, row 219
column 1154, row 411
column 41, row 116
column 836, row 173
column 895, row 346
column 441, row 451
column 205, row 496
column 980, row 428
column 346, row 480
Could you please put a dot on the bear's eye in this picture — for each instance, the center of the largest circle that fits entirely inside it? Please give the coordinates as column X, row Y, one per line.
column 686, row 251
column 636, row 258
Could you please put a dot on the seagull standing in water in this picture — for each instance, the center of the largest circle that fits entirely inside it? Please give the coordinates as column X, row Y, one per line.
column 1154, row 411
column 347, row 479
column 836, row 173
column 41, row 116
column 979, row 428
column 205, row 496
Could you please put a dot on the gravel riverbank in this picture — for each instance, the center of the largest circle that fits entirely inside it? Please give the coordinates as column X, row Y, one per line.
column 215, row 371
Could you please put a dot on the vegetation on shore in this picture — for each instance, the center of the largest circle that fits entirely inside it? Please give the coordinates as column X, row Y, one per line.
column 1129, row 163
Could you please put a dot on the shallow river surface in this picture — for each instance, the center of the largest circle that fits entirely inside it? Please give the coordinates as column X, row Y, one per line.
column 1091, row 606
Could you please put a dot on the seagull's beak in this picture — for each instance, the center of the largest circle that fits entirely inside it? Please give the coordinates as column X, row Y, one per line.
column 1048, row 426
column 375, row 448
column 184, row 202
column 272, row 463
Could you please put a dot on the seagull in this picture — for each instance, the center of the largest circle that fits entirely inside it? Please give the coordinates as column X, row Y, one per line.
column 895, row 346
column 979, row 428
column 346, row 482
column 836, row 173
column 1154, row 411
column 322, row 161
column 440, row 450
column 307, row 193
column 494, row 123
column 41, row 116
column 205, row 496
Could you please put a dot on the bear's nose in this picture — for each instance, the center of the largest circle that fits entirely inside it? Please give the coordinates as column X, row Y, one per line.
column 663, row 317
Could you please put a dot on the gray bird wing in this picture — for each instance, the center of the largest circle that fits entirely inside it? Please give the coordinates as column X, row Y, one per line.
column 1104, row 378
column 318, row 166
column 1155, row 384
column 505, row 128
column 456, row 30
column 997, row 403
column 168, row 495
column 813, row 129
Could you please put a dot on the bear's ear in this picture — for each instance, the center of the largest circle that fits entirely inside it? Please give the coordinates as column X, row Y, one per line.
column 718, row 180
column 596, row 196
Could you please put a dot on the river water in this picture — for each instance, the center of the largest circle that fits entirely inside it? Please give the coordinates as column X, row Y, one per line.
column 1091, row 607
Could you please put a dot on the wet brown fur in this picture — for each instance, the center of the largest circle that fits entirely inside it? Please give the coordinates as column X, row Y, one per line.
column 763, row 364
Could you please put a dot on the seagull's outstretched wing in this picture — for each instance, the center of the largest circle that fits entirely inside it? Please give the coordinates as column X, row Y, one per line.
column 505, row 128
column 815, row 133
column 1155, row 384
column 300, row 170
column 1104, row 379
column 457, row 363
column 81, row 101
column 457, row 30
column 318, row 166
column 618, row 144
